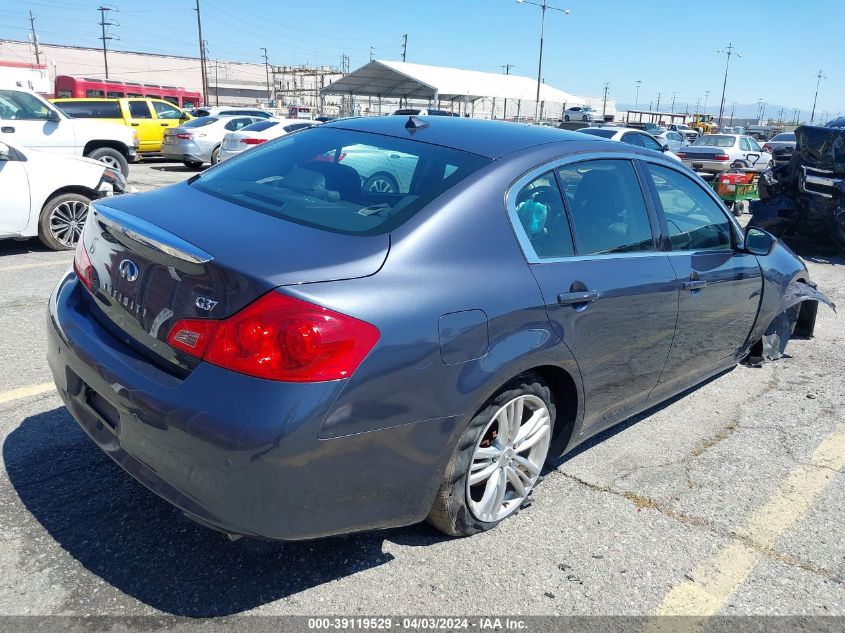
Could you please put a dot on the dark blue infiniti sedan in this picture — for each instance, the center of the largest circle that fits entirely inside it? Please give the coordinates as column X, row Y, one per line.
column 379, row 321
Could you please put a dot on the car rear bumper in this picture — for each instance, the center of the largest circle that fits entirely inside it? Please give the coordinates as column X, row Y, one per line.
column 233, row 452
column 707, row 166
column 228, row 153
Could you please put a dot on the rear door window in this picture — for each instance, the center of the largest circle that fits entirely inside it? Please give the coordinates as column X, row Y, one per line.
column 632, row 138
column 540, row 218
column 694, row 220
column 606, row 203
column 236, row 124
column 340, row 180
column 140, row 110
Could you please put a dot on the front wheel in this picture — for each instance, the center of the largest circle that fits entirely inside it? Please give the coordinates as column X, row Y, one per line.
column 498, row 460
column 585, row 118
column 381, row 182
column 112, row 158
column 215, row 156
column 62, row 219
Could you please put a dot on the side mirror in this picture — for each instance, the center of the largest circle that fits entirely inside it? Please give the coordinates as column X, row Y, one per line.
column 666, row 147
column 54, row 116
column 4, row 152
column 758, row 241
column 185, row 117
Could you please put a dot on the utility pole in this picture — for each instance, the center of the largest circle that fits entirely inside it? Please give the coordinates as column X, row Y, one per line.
column 657, row 108
column 267, row 72
column 674, row 96
column 371, row 53
column 35, row 39
column 507, row 69
column 202, row 55
column 105, row 38
column 733, row 109
column 706, row 96
column 604, row 103
column 404, row 47
column 728, row 52
column 698, row 106
column 637, row 97
column 819, row 78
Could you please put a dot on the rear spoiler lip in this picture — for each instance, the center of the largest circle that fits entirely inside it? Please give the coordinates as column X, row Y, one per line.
column 150, row 235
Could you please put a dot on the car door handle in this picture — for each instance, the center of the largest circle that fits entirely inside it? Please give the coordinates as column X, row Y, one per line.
column 164, row 125
column 694, row 284
column 578, row 297
column 7, row 129
column 135, row 124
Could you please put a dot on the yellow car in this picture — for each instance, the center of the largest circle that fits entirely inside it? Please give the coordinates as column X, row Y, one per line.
column 150, row 117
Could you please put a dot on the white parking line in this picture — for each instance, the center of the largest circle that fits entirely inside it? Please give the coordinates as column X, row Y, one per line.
column 25, row 392
column 716, row 578
column 61, row 262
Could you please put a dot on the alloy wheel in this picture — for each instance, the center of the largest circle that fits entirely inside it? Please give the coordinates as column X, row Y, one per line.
column 66, row 221
column 111, row 161
column 508, row 458
column 381, row 185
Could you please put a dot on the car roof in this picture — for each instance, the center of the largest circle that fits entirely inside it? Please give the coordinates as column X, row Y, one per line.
column 491, row 139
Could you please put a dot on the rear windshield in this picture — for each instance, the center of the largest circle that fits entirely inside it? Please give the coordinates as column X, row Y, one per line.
column 716, row 140
column 340, row 180
column 91, row 109
column 785, row 137
column 597, row 131
column 201, row 121
column 259, row 127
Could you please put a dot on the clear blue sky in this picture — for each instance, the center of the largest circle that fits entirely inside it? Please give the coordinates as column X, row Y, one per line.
column 666, row 44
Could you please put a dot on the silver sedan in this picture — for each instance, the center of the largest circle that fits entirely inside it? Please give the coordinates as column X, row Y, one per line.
column 198, row 141
column 714, row 153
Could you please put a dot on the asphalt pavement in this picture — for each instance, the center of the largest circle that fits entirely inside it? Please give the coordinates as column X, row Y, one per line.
column 727, row 500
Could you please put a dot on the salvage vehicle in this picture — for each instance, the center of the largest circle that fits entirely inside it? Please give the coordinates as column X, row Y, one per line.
column 686, row 130
column 29, row 120
column 231, row 111
column 282, row 353
column 804, row 197
column 631, row 137
column 703, row 123
column 675, row 140
column 580, row 113
column 199, row 140
column 781, row 147
column 150, row 117
column 714, row 153
column 48, row 195
column 257, row 133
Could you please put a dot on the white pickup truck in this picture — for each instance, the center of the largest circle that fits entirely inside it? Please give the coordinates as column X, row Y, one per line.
column 29, row 120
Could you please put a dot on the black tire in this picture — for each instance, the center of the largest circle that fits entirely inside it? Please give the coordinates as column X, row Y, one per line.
column 192, row 164
column 450, row 512
column 584, row 118
column 381, row 182
column 112, row 158
column 53, row 214
column 565, row 117
column 215, row 155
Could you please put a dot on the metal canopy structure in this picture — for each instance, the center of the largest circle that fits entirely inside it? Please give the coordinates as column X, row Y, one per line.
column 389, row 79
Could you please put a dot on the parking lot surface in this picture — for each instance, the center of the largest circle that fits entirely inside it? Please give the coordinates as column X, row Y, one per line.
column 725, row 501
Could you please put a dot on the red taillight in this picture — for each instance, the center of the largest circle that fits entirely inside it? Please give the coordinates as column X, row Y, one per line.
column 681, row 155
column 721, row 157
column 82, row 266
column 253, row 141
column 279, row 338
column 185, row 136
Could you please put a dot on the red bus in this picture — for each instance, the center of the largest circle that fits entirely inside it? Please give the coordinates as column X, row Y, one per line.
column 80, row 87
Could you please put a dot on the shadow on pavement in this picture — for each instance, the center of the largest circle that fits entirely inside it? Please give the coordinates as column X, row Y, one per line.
column 21, row 247
column 179, row 168
column 144, row 547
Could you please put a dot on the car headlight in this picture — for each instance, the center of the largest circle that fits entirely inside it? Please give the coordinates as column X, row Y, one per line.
column 111, row 182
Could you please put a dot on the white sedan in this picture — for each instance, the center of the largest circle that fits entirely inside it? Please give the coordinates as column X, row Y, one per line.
column 236, row 142
column 580, row 113
column 631, row 137
column 714, row 153
column 48, row 195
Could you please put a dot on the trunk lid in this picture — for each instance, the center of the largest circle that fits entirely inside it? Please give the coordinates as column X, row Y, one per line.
column 178, row 253
column 703, row 152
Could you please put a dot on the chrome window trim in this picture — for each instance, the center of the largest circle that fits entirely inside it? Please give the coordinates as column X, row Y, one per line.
column 516, row 186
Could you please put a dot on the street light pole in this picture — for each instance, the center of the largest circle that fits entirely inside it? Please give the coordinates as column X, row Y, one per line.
column 637, row 98
column 728, row 51
column 543, row 7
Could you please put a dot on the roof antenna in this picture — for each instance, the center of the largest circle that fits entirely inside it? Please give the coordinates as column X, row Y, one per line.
column 415, row 123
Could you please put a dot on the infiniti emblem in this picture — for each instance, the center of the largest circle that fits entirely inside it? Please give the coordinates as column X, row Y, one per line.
column 128, row 270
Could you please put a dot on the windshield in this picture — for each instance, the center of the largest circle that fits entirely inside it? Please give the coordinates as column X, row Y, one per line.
column 203, row 120
column 597, row 131
column 786, row 136
column 340, row 180
column 716, row 140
